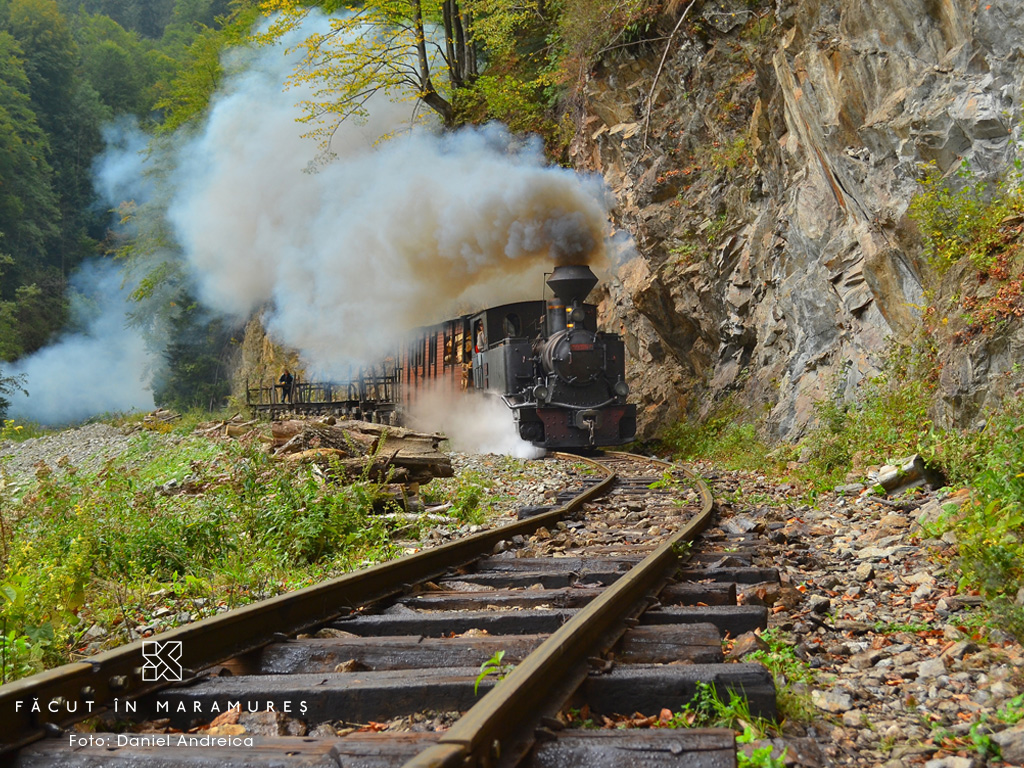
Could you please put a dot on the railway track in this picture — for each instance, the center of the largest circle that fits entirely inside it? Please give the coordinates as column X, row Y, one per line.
column 604, row 604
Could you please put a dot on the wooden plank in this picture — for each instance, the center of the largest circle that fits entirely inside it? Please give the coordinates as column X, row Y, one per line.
column 738, row 575
column 680, row 594
column 513, row 579
column 380, row 653
column 382, row 750
column 734, row 619
column 500, row 598
column 685, row 748
column 662, row 644
column 577, row 564
column 647, row 688
column 355, row 697
column 717, row 593
column 668, row 643
column 445, row 624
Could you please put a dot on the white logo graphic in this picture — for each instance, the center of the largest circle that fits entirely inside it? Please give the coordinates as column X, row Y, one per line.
column 162, row 660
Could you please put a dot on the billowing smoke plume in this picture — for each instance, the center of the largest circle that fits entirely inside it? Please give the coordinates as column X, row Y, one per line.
column 473, row 423
column 348, row 256
column 100, row 369
column 381, row 240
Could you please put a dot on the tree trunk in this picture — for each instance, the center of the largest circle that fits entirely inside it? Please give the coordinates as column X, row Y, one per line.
column 464, row 46
column 428, row 94
column 449, row 12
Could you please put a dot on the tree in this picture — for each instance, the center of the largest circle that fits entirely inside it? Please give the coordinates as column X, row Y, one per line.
column 381, row 46
column 198, row 371
column 28, row 207
column 189, row 92
column 8, row 386
column 120, row 67
column 31, row 308
column 70, row 112
column 147, row 17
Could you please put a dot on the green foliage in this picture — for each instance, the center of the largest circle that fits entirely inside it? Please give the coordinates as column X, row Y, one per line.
column 504, row 97
column 123, row 68
column 580, row 718
column 469, row 494
column 731, row 155
column 685, row 252
column 723, row 436
column 9, row 385
column 760, row 757
column 961, row 216
column 791, row 674
column 66, row 68
column 30, row 304
column 708, row 710
column 1012, row 711
column 187, row 92
column 584, row 29
column 990, row 526
column 221, row 522
column 493, row 666
column 892, row 627
column 378, row 47
column 888, row 418
column 197, row 374
column 146, row 18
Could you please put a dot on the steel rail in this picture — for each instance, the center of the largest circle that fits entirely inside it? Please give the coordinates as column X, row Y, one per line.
column 75, row 691
column 489, row 730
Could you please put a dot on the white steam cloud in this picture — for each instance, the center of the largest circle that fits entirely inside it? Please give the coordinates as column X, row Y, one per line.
column 381, row 240
column 100, row 369
column 473, row 423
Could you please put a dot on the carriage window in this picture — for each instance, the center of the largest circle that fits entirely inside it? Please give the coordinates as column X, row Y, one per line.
column 511, row 325
column 458, row 345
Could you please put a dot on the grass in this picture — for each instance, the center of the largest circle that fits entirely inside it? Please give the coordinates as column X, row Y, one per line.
column 120, row 548
column 724, row 437
column 792, row 676
column 13, row 430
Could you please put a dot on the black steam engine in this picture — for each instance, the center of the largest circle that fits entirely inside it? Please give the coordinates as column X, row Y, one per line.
column 562, row 378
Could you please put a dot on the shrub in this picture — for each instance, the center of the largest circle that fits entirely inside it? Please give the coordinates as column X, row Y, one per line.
column 888, row 418
column 723, row 436
column 961, row 216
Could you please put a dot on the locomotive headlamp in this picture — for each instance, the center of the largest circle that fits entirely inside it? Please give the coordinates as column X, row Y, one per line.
column 578, row 315
column 541, row 393
column 621, row 388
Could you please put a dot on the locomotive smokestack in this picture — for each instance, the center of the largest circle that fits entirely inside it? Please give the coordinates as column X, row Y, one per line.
column 572, row 283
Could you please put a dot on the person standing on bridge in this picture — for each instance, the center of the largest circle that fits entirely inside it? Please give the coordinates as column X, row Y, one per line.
column 286, row 382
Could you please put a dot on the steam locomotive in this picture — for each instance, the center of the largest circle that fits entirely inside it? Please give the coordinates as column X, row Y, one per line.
column 562, row 379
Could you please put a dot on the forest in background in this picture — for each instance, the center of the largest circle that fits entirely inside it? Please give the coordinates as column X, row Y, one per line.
column 68, row 70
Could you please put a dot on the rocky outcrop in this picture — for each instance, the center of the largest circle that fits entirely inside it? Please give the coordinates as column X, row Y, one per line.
column 765, row 173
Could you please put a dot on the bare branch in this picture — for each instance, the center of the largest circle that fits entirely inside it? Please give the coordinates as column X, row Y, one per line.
column 657, row 75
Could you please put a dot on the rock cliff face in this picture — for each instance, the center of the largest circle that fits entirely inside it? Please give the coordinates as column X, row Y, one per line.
column 765, row 168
